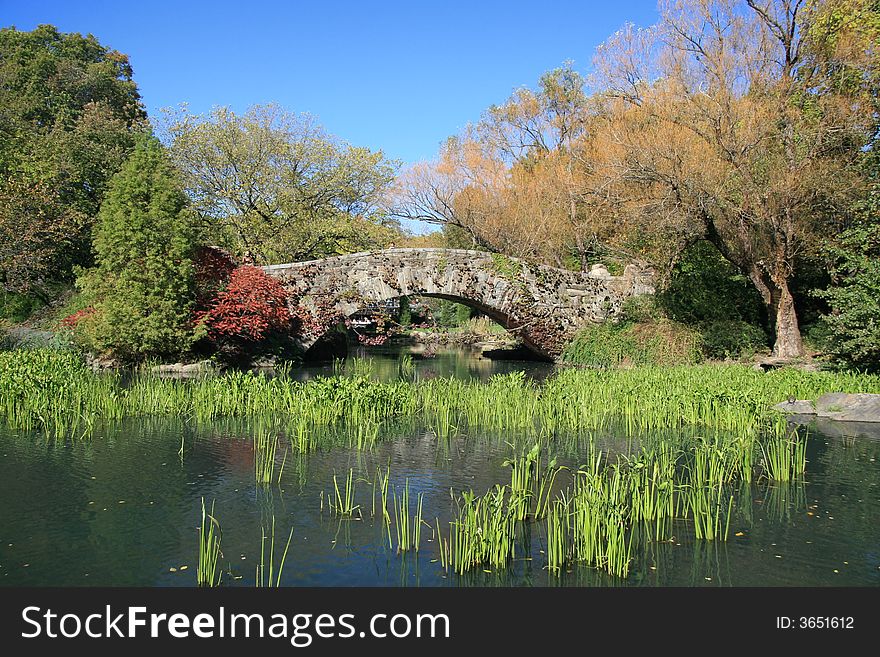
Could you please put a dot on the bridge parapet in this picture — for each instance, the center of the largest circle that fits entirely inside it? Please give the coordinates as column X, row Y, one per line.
column 544, row 305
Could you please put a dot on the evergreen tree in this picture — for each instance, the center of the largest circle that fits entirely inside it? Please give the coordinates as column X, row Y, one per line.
column 142, row 287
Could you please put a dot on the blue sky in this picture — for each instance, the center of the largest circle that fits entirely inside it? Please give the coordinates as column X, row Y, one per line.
column 400, row 76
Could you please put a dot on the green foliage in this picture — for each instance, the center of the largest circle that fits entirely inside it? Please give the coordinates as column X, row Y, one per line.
column 506, row 267
column 732, row 339
column 274, row 187
column 662, row 342
column 448, row 314
column 70, row 112
column 405, row 315
column 142, row 287
column 16, row 307
column 704, row 287
column 854, row 321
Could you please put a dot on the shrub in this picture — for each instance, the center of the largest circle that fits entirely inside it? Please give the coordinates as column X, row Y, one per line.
column 732, row 339
column 854, row 321
column 250, row 309
column 662, row 342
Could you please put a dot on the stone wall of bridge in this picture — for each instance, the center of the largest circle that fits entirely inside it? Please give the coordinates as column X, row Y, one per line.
column 544, row 306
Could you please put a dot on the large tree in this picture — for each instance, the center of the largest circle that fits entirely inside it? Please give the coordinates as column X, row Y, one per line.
column 719, row 123
column 274, row 187
column 69, row 112
column 511, row 182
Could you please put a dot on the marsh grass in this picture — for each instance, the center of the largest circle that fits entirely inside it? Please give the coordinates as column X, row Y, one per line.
column 266, row 575
column 531, row 484
column 265, row 453
column 209, row 549
column 55, row 393
column 784, row 456
column 342, row 504
column 406, row 368
column 408, row 528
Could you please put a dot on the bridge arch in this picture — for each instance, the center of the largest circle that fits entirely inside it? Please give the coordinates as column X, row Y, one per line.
column 542, row 305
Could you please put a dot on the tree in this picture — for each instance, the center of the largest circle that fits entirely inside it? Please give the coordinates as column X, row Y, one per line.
column 70, row 113
column 854, row 297
column 274, row 187
column 511, row 182
column 142, row 287
column 718, row 123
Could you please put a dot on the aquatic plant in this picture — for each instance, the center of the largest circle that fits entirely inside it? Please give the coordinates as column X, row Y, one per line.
column 784, row 455
column 266, row 575
column 265, row 449
column 408, row 528
column 342, row 505
column 207, row 573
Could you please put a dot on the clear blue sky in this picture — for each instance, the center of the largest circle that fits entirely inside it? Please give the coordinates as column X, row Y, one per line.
column 400, row 76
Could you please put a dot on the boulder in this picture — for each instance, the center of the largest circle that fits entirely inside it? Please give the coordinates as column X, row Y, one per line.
column 849, row 407
column 185, row 368
column 796, row 407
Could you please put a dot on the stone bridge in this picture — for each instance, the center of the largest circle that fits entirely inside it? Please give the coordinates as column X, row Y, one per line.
column 542, row 305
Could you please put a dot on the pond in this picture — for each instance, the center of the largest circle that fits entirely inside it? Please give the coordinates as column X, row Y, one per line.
column 123, row 508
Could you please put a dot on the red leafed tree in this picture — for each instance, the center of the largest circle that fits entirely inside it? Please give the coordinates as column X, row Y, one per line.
column 252, row 306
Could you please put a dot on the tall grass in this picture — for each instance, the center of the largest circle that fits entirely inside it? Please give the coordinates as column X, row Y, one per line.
column 54, row 392
column 408, row 528
column 342, row 503
column 207, row 573
column 266, row 575
column 265, row 451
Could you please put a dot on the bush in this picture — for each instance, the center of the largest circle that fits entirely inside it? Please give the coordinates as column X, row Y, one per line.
column 853, row 324
column 662, row 342
column 16, row 307
column 732, row 339
column 642, row 308
column 251, row 308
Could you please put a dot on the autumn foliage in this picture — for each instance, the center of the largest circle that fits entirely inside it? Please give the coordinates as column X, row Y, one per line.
column 252, row 306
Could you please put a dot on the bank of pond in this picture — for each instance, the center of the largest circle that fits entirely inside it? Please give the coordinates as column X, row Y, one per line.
column 645, row 476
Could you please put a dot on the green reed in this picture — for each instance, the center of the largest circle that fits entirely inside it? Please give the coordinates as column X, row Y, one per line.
column 265, row 452
column 55, row 393
column 784, row 456
column 530, row 484
column 343, row 505
column 483, row 532
column 707, row 506
column 266, row 576
column 406, row 368
column 408, row 528
column 209, row 549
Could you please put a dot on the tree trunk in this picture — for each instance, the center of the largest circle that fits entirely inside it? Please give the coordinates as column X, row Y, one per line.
column 788, row 342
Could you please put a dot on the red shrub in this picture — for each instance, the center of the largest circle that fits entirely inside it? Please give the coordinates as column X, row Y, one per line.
column 252, row 306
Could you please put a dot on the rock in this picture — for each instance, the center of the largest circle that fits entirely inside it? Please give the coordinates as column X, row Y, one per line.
column 185, row 368
column 855, row 407
column 797, row 407
column 599, row 271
